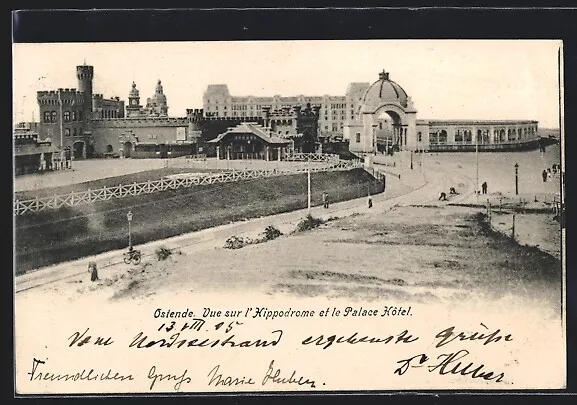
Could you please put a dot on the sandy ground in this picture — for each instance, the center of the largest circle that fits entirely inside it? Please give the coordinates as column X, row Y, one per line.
column 410, row 254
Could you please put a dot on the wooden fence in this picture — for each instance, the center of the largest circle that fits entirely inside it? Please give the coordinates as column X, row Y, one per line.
column 153, row 186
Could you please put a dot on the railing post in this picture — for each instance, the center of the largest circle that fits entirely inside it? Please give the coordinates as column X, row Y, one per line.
column 149, row 186
column 37, row 204
column 104, row 191
column 89, row 195
column 71, row 198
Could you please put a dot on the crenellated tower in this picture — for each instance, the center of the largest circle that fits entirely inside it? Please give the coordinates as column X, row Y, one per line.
column 85, row 75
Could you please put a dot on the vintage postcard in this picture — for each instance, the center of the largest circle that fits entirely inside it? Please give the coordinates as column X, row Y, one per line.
column 295, row 216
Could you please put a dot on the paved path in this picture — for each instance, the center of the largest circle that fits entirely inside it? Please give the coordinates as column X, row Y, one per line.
column 426, row 187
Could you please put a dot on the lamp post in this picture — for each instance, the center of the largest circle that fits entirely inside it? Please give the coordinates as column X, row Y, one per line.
column 129, row 217
column 516, row 179
column 411, row 160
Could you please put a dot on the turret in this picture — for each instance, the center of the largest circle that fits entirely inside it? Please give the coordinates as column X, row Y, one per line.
column 85, row 75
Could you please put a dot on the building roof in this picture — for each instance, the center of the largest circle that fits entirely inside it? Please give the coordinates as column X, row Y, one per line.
column 383, row 91
column 252, row 128
column 474, row 122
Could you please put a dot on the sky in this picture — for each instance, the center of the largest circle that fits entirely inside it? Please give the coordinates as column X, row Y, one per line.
column 446, row 79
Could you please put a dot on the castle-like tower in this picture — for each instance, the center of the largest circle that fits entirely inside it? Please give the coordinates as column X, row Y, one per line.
column 85, row 75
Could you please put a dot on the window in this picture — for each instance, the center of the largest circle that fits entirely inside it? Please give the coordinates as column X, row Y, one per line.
column 79, row 131
column 419, row 137
column 380, row 125
column 66, row 116
column 109, row 149
column 46, row 116
column 358, row 137
column 75, row 132
column 458, row 136
column 468, row 136
column 443, row 137
column 53, row 116
column 74, row 116
column 67, row 132
column 79, row 115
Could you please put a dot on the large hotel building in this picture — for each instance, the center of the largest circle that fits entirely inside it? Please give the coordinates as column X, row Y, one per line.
column 334, row 113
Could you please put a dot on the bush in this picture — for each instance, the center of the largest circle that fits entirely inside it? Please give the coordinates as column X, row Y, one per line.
column 163, row 253
column 235, row 242
column 271, row 233
column 309, row 223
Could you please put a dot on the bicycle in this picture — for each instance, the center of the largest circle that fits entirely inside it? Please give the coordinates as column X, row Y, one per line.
column 132, row 256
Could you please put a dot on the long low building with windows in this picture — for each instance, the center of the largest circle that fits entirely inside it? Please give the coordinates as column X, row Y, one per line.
column 468, row 135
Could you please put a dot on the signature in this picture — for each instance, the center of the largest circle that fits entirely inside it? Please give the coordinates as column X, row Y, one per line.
column 449, row 364
column 275, row 376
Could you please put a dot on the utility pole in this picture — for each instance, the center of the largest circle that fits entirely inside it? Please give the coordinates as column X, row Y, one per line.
column 309, row 185
column 477, row 165
column 516, row 179
column 62, row 157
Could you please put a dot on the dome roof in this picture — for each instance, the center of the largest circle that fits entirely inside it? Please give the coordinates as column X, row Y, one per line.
column 134, row 93
column 384, row 91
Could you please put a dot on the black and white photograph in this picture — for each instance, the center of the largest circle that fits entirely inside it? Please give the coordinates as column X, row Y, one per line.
column 259, row 216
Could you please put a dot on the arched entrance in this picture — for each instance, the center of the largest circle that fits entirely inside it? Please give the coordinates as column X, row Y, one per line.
column 78, row 150
column 109, row 149
column 383, row 101
column 127, row 149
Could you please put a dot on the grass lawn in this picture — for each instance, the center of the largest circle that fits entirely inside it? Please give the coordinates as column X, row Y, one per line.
column 68, row 233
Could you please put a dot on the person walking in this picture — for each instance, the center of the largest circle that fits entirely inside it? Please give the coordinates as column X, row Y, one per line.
column 484, row 187
column 370, row 201
column 93, row 270
column 325, row 200
column 544, row 174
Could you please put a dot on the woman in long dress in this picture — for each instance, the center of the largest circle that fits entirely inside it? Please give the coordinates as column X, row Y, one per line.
column 93, row 270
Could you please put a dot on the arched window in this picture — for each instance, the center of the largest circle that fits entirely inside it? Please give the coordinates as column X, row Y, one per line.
column 109, row 149
column 67, row 132
column 443, row 137
column 468, row 136
column 46, row 116
column 66, row 116
column 53, row 116
column 495, row 136
column 458, row 136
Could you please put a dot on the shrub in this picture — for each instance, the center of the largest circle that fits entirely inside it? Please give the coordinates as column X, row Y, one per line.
column 163, row 253
column 271, row 233
column 309, row 222
column 235, row 242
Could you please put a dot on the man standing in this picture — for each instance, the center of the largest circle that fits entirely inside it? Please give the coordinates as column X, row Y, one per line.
column 370, row 201
column 484, row 187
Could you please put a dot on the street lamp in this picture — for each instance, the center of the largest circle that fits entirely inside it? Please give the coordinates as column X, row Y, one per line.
column 129, row 217
column 411, row 160
column 516, row 179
